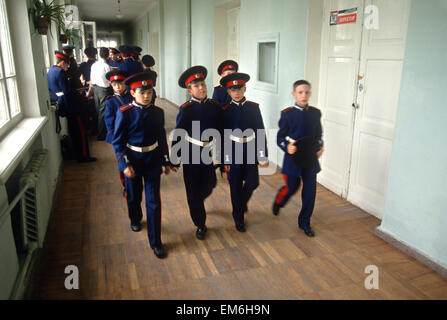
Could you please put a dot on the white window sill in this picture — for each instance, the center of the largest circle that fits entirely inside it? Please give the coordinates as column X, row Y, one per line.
column 16, row 143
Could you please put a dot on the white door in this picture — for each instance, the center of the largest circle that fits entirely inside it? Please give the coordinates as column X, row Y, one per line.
column 233, row 34
column 338, row 87
column 154, row 52
column 361, row 70
column 380, row 73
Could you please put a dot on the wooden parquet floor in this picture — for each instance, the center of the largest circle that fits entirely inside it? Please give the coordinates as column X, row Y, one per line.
column 272, row 260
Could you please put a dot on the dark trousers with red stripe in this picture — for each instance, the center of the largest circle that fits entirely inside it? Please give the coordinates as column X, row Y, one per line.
column 200, row 181
column 76, row 130
column 134, row 189
column 308, row 194
column 244, row 179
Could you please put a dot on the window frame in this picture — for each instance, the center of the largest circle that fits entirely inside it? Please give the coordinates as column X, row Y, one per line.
column 5, row 105
column 263, row 85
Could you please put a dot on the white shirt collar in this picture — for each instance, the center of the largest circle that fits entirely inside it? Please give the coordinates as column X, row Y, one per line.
column 139, row 105
column 237, row 103
column 299, row 107
column 197, row 100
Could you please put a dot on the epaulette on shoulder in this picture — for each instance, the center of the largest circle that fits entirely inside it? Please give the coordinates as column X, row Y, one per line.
column 187, row 104
column 253, row 103
column 287, row 110
column 109, row 96
column 126, row 107
column 226, row 107
column 214, row 101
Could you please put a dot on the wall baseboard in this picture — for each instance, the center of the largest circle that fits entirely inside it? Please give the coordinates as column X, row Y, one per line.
column 412, row 252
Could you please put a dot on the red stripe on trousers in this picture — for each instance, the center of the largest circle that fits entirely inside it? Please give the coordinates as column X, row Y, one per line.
column 282, row 193
column 84, row 147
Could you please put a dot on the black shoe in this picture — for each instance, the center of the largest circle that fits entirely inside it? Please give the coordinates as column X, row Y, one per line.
column 89, row 159
column 240, row 227
column 135, row 227
column 160, row 252
column 200, row 233
column 309, row 232
column 276, row 208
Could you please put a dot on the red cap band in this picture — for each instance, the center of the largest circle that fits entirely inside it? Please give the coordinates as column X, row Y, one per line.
column 194, row 77
column 62, row 57
column 117, row 77
column 230, row 66
column 124, row 54
column 139, row 84
column 235, row 83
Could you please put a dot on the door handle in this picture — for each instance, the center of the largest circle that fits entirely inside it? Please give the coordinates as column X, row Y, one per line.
column 355, row 105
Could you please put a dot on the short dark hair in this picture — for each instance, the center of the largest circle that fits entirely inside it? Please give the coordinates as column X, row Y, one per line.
column 301, row 82
column 103, row 52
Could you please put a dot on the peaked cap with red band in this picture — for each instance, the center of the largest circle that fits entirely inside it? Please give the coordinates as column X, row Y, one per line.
column 196, row 73
column 142, row 80
column 62, row 56
column 116, row 75
column 114, row 51
column 227, row 65
column 235, row 80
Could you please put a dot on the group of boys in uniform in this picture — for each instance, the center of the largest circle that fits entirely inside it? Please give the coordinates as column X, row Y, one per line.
column 226, row 132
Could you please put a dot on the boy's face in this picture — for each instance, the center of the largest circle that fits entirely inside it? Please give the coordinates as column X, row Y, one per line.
column 302, row 94
column 198, row 90
column 237, row 94
column 118, row 86
column 227, row 72
column 143, row 97
column 114, row 56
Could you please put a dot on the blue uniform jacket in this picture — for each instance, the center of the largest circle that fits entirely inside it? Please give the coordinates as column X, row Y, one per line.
column 220, row 94
column 209, row 114
column 113, row 103
column 141, row 127
column 61, row 91
column 115, row 64
column 296, row 123
column 246, row 117
column 131, row 67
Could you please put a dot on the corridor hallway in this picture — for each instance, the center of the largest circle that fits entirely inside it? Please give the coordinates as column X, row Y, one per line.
column 272, row 260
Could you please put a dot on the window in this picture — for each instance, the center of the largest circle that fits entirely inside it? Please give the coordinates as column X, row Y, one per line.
column 9, row 98
column 46, row 53
column 267, row 62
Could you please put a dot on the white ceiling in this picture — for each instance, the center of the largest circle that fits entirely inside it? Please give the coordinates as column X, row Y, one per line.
column 106, row 10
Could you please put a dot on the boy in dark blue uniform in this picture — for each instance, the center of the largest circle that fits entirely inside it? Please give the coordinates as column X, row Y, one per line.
column 247, row 143
column 295, row 123
column 119, row 98
column 140, row 145
column 129, row 65
column 115, row 59
column 198, row 173
column 220, row 92
column 69, row 102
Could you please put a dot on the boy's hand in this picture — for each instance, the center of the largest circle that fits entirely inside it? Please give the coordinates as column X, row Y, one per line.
column 129, row 172
column 319, row 153
column 291, row 148
column 264, row 164
column 169, row 169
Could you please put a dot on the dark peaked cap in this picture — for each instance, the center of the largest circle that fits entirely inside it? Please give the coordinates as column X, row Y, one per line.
column 235, row 80
column 143, row 80
column 196, row 73
column 227, row 65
